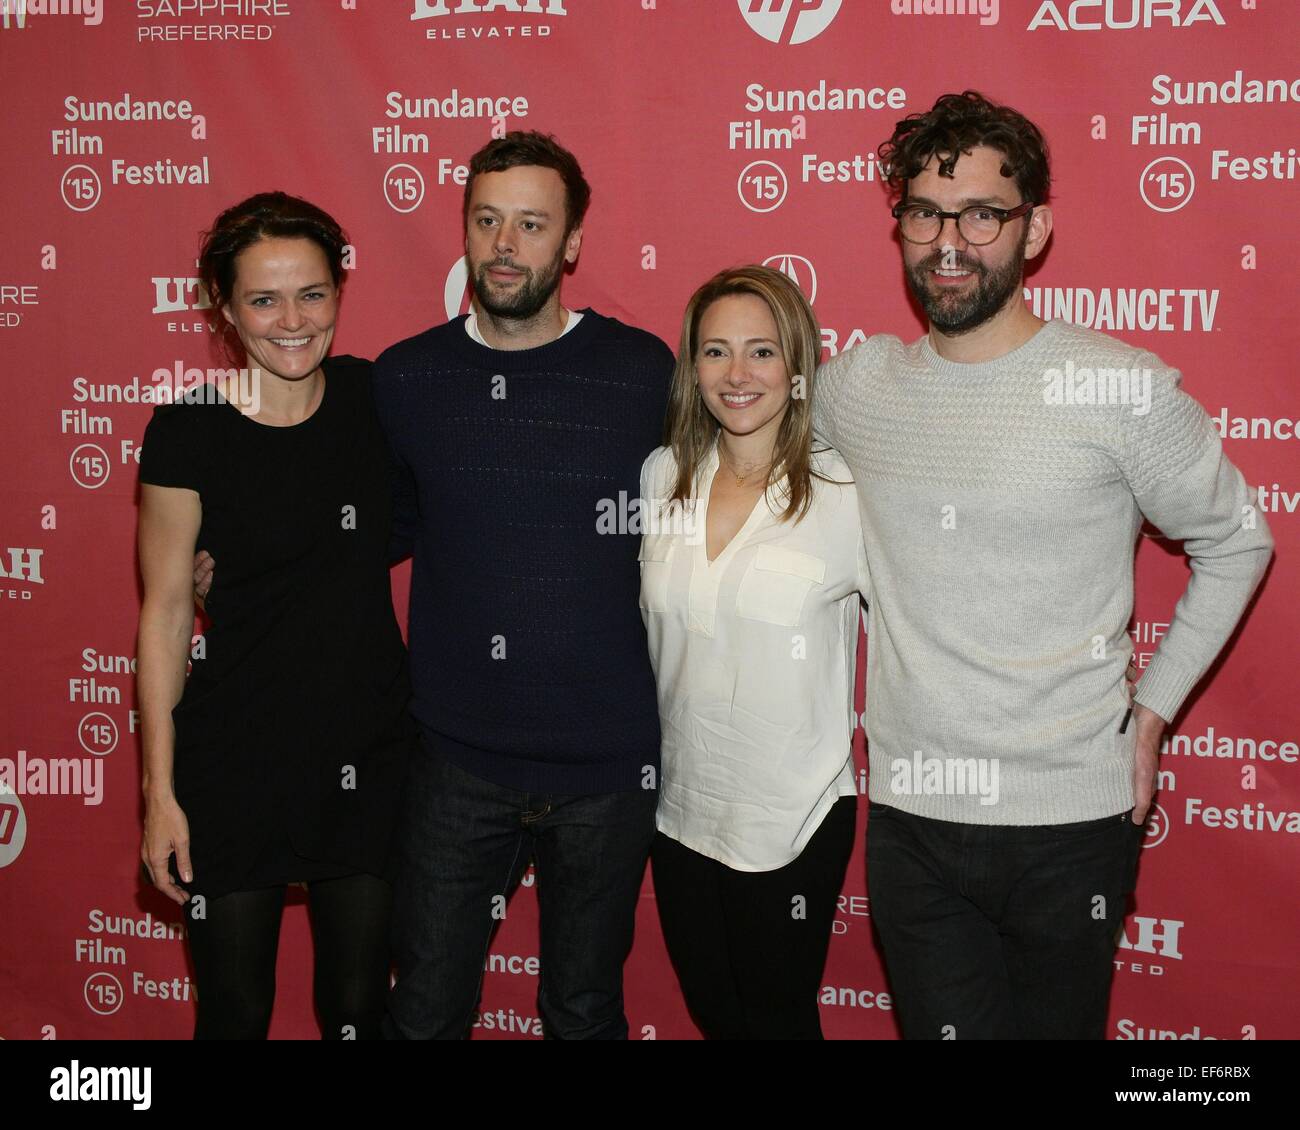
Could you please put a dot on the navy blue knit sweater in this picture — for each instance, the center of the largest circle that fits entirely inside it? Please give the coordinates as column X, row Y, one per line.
column 528, row 656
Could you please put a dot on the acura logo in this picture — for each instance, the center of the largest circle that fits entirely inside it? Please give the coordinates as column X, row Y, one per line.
column 798, row 270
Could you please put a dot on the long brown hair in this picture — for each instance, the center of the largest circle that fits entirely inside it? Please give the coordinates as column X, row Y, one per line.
column 690, row 428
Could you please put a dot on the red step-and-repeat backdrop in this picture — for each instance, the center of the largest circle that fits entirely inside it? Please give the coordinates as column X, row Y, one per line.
column 714, row 132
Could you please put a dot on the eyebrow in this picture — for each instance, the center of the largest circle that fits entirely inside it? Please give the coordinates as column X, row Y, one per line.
column 538, row 212
column 966, row 202
column 748, row 341
column 310, row 286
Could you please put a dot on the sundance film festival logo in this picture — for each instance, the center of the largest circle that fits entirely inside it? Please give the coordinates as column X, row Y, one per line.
column 1156, row 827
column 798, row 270
column 789, row 21
column 90, row 11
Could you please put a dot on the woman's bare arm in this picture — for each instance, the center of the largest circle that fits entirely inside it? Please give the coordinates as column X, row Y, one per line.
column 169, row 527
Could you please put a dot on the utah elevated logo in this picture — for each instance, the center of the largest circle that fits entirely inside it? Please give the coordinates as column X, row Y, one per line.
column 789, row 21
column 424, row 9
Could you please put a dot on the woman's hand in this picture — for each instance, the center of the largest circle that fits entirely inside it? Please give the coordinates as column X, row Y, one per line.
column 166, row 831
column 204, row 567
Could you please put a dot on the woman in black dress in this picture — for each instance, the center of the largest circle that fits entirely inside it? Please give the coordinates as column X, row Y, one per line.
column 281, row 758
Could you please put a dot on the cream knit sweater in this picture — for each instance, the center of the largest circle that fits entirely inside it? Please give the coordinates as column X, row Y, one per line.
column 1001, row 504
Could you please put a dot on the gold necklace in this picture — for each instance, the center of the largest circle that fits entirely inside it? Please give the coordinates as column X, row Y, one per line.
column 740, row 479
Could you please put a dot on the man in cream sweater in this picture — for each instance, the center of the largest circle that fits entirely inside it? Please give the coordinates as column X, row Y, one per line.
column 1003, row 467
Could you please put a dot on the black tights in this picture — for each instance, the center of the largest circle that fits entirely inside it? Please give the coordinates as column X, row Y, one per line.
column 234, row 949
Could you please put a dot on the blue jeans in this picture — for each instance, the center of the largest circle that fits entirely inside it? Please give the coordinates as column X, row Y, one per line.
column 995, row 932
column 465, row 845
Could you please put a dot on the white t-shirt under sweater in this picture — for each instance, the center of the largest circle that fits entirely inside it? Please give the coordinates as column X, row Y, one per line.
column 1000, row 505
column 471, row 325
column 754, row 657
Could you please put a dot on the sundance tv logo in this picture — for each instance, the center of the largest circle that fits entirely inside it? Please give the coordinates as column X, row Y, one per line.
column 789, row 21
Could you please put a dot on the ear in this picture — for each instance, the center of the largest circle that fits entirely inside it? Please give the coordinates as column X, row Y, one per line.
column 1040, row 227
column 225, row 313
column 573, row 245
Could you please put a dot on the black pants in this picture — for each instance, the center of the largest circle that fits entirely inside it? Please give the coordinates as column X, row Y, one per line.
column 749, row 947
column 994, row 932
column 234, row 949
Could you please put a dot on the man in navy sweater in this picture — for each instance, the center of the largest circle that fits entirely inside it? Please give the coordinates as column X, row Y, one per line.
column 512, row 428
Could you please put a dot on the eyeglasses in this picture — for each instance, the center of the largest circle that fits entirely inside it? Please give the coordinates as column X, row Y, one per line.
column 978, row 224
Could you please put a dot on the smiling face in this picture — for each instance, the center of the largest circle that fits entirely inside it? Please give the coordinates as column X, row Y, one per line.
column 739, row 365
column 515, row 239
column 961, row 286
column 283, row 306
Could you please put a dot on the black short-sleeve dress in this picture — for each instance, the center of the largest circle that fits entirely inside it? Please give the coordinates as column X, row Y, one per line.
column 292, row 735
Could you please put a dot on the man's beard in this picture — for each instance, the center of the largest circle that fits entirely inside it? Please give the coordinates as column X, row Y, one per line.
column 956, row 313
column 528, row 299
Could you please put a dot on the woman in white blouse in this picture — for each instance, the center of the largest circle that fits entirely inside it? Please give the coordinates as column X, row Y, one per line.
column 751, row 569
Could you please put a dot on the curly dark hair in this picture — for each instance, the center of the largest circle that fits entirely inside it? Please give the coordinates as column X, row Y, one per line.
column 956, row 124
column 529, row 147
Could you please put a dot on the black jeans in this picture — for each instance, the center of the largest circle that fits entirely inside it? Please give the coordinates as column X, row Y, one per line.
column 749, row 946
column 465, row 845
column 994, row 932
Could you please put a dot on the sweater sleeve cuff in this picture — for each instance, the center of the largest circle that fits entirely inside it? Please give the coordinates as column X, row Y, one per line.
column 1164, row 686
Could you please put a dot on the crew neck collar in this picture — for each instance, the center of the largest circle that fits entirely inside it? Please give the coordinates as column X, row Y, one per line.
column 318, row 412
column 1042, row 339
column 565, row 345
